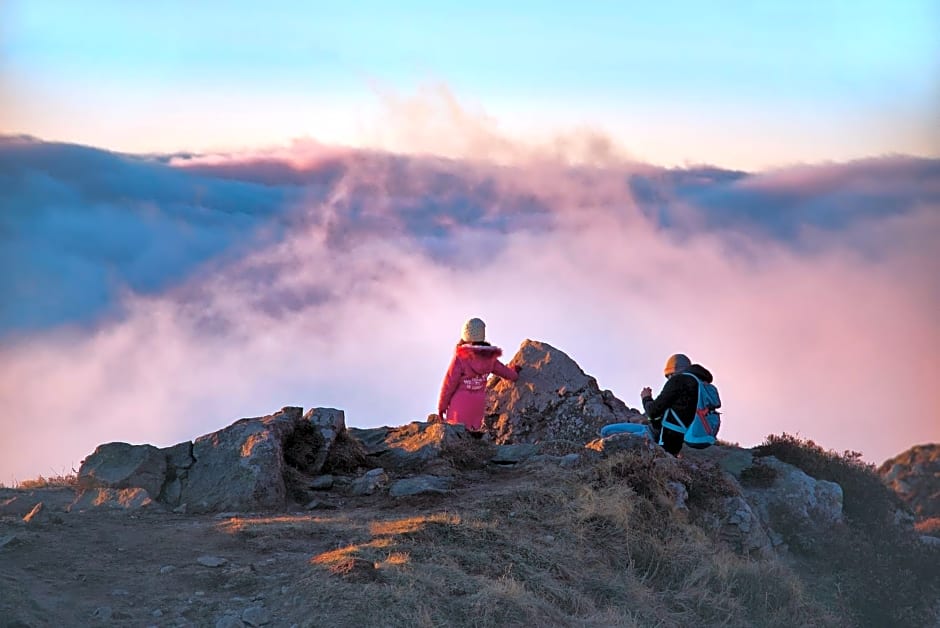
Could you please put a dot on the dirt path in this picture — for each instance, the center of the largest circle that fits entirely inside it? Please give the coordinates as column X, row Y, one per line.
column 143, row 568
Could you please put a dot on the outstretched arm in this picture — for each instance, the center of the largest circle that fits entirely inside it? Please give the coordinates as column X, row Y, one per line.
column 505, row 372
column 449, row 387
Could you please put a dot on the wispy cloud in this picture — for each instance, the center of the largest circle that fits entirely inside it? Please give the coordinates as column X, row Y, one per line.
column 341, row 277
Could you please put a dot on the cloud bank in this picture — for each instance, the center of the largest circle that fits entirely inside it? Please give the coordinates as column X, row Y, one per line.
column 153, row 299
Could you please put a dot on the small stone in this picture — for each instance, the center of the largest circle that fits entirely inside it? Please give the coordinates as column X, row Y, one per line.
column 322, row 483
column 157, row 613
column 37, row 515
column 167, row 569
column 180, row 510
column 569, row 461
column 256, row 616
column 211, row 561
column 229, row 621
column 199, row 593
column 120, row 592
column 102, row 613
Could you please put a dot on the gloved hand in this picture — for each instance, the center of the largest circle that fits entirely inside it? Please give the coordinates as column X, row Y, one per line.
column 646, row 393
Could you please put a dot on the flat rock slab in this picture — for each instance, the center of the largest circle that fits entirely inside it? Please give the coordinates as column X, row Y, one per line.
column 513, row 454
column 420, row 485
column 211, row 561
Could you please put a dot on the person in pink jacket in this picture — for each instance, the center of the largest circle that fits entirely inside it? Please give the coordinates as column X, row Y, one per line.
column 463, row 393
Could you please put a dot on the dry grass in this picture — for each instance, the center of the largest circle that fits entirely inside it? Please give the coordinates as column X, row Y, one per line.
column 879, row 572
column 69, row 480
column 608, row 548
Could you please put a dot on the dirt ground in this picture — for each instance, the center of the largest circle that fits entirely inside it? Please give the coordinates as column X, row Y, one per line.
column 142, row 568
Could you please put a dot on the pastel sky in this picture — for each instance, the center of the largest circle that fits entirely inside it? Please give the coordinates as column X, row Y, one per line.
column 738, row 84
column 212, row 210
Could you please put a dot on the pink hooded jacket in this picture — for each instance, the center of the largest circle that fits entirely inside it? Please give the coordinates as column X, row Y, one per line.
column 463, row 393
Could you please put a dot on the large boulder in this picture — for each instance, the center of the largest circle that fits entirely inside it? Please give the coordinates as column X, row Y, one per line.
column 411, row 446
column 552, row 400
column 121, row 465
column 241, row 467
column 915, row 476
column 792, row 504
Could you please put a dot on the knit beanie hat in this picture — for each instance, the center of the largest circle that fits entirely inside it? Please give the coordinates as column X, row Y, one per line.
column 677, row 363
column 474, row 330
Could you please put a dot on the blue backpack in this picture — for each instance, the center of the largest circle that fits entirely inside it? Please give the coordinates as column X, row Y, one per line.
column 707, row 421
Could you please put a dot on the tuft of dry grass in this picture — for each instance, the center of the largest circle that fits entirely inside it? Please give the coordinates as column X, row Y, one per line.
column 69, row 480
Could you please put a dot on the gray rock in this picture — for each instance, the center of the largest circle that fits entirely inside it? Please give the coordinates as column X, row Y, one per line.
column 552, row 400
column 369, row 482
column 740, row 527
column 680, row 494
column 570, row 460
column 322, row 483
column 420, row 485
column 18, row 503
column 513, row 454
column 112, row 499
column 242, row 466
column 10, row 540
column 167, row 569
column 795, row 502
column 211, row 561
column 256, row 616
column 330, row 423
column 622, row 442
column 412, row 446
column 121, row 465
column 229, row 621
column 103, row 613
column 927, row 539
column 37, row 515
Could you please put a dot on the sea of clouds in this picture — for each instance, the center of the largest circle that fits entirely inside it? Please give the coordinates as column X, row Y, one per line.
column 155, row 298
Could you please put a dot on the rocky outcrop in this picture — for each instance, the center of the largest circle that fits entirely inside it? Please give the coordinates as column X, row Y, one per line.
column 246, row 466
column 552, row 400
column 915, row 477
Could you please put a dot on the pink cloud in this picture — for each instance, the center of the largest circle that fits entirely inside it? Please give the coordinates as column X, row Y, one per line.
column 835, row 345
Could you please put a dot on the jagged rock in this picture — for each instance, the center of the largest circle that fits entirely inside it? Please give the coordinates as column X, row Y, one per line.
column 37, row 515
column 121, row 465
column 552, row 400
column 514, row 454
column 369, row 482
column 740, row 527
column 915, row 476
column 411, row 446
column 330, row 423
column 795, row 502
column 242, row 466
column 112, row 498
column 420, row 485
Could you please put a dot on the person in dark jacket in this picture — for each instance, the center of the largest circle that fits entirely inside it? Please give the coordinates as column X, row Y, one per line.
column 680, row 394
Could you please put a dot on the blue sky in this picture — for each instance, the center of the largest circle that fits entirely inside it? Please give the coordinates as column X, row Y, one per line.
column 735, row 83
